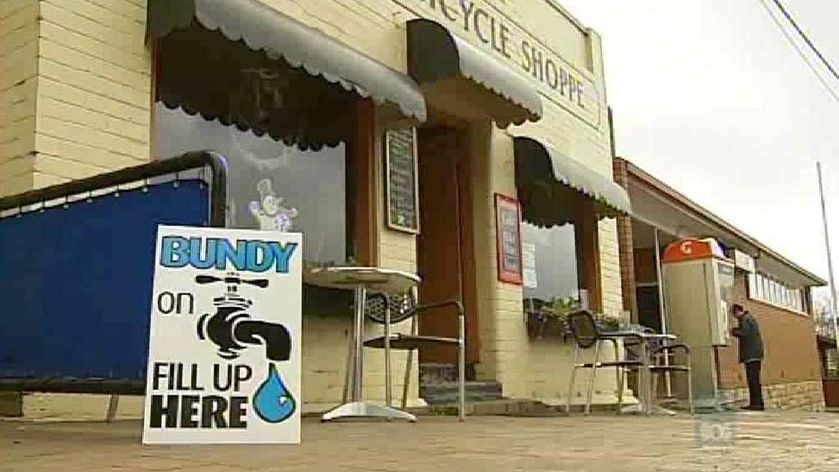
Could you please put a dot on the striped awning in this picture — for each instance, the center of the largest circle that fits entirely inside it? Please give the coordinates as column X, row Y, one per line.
column 263, row 34
column 550, row 182
column 436, row 55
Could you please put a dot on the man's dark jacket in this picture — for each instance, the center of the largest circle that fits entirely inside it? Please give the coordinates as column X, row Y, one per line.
column 751, row 343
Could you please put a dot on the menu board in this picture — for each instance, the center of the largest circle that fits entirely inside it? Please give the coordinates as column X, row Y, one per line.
column 508, row 247
column 401, row 186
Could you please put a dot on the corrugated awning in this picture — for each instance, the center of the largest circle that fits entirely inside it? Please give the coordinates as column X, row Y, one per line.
column 435, row 54
column 549, row 184
column 261, row 28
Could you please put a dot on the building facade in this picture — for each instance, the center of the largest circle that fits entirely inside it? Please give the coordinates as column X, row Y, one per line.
column 507, row 99
column 771, row 287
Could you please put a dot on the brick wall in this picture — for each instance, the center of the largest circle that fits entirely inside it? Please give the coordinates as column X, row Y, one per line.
column 18, row 85
column 626, row 246
column 808, row 396
column 94, row 89
column 791, row 353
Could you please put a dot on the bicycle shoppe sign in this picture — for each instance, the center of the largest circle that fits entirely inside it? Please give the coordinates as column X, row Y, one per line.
column 224, row 340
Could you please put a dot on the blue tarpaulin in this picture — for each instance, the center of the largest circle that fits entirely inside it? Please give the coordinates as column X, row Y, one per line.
column 76, row 282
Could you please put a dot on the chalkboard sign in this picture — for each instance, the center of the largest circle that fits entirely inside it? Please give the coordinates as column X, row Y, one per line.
column 508, row 244
column 401, row 192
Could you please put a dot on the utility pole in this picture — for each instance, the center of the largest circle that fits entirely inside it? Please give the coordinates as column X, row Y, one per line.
column 829, row 260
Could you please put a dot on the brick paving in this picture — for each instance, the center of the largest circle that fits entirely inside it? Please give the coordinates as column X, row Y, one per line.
column 782, row 441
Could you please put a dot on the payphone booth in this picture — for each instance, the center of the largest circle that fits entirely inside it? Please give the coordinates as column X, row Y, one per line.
column 698, row 288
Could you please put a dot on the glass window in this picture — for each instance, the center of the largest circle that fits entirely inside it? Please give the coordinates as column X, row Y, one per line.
column 758, row 287
column 287, row 136
column 767, row 290
column 764, row 289
column 269, row 181
column 559, row 248
column 550, row 266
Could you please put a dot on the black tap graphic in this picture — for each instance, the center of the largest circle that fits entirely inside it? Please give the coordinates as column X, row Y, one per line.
column 231, row 327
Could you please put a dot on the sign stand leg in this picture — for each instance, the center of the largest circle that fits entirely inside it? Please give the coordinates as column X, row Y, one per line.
column 113, row 405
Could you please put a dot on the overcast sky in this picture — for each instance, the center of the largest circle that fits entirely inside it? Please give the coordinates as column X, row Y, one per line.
column 709, row 96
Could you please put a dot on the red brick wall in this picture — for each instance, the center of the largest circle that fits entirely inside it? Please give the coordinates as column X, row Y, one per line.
column 625, row 245
column 789, row 343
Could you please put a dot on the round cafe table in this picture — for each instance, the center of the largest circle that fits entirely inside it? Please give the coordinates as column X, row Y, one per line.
column 361, row 280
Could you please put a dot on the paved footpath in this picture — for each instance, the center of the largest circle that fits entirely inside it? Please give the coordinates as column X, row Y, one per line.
column 782, row 441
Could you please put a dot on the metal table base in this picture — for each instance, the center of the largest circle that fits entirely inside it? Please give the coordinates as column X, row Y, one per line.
column 367, row 410
column 646, row 405
column 641, row 409
column 357, row 407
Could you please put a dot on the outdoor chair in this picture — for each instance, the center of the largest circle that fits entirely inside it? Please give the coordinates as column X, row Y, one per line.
column 389, row 310
column 632, row 350
column 664, row 361
column 586, row 335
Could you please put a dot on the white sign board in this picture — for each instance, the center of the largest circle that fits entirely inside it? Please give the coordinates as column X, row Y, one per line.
column 224, row 340
column 744, row 261
column 528, row 255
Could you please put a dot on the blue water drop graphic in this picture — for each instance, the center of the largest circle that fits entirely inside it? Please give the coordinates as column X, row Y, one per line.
column 272, row 401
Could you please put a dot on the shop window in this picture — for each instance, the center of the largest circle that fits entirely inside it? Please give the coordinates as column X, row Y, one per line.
column 764, row 289
column 560, row 265
column 754, row 287
column 551, row 271
column 309, row 187
column 289, row 137
column 297, row 138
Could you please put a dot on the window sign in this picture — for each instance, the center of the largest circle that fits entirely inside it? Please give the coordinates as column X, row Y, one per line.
column 529, row 273
column 401, row 191
column 508, row 247
column 224, row 338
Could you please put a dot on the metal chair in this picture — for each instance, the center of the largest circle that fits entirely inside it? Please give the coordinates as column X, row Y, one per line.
column 663, row 362
column 388, row 310
column 632, row 348
column 586, row 335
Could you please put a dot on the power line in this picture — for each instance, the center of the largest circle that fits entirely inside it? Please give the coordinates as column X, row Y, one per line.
column 807, row 39
column 801, row 53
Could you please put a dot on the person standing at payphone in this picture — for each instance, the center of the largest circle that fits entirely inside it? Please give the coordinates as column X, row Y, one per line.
column 751, row 353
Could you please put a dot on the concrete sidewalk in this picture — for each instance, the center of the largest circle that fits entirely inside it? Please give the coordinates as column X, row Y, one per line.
column 783, row 441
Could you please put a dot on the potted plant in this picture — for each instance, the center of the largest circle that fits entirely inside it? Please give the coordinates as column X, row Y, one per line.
column 607, row 322
column 551, row 317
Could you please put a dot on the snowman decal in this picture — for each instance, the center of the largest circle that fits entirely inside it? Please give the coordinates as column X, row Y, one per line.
column 269, row 212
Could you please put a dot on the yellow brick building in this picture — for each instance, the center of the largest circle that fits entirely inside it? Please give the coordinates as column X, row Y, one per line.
column 80, row 94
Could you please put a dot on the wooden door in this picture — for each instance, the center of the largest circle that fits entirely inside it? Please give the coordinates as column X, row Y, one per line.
column 445, row 243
